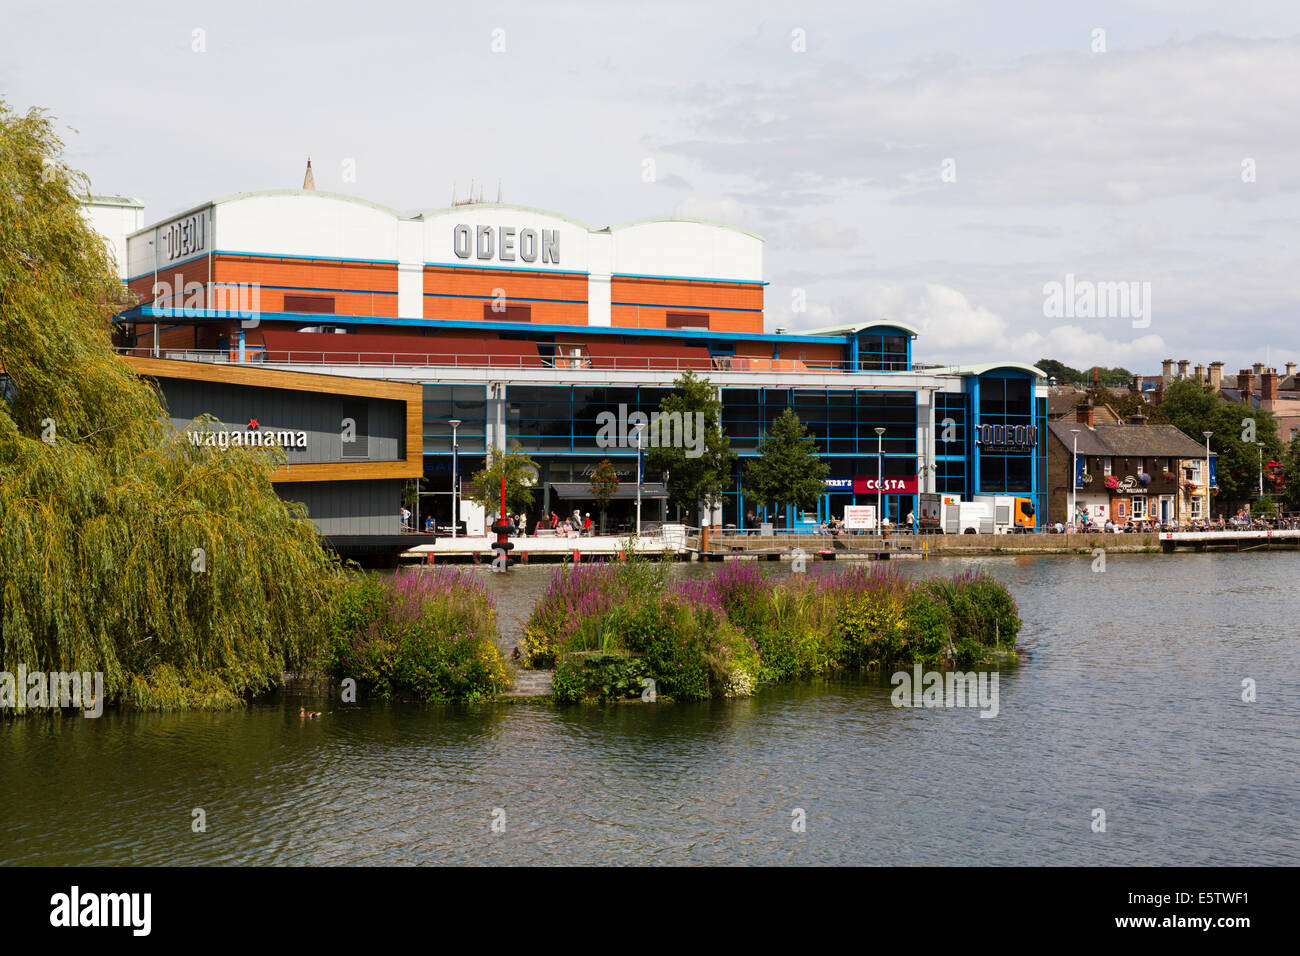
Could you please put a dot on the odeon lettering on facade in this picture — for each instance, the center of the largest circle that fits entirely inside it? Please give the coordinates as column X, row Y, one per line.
column 522, row 325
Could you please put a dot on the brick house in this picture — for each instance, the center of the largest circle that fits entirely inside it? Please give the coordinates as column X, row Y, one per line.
column 1133, row 471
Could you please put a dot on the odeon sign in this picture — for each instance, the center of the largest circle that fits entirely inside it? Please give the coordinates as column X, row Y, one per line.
column 1007, row 436
column 506, row 243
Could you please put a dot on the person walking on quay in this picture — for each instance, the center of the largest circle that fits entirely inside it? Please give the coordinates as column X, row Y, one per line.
column 406, row 518
column 555, row 521
column 911, row 521
column 522, row 524
column 586, row 524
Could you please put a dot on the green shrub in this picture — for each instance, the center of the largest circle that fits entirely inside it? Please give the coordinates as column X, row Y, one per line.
column 586, row 675
column 428, row 634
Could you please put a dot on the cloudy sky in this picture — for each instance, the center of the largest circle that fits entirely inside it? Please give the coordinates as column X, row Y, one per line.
column 936, row 162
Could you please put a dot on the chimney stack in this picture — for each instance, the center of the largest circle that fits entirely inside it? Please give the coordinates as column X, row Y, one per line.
column 1259, row 369
column 1216, row 376
column 1084, row 413
column 1137, row 418
column 1268, row 391
column 1137, row 384
column 1246, row 384
column 1184, row 366
column 1200, row 373
column 1167, row 370
column 1290, row 369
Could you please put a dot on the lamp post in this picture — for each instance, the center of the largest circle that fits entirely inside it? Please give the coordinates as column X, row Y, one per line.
column 880, row 479
column 1074, row 480
column 1260, row 446
column 1207, row 477
column 637, row 430
column 455, row 488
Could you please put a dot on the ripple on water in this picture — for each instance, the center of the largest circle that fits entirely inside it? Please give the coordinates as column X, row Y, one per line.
column 1130, row 702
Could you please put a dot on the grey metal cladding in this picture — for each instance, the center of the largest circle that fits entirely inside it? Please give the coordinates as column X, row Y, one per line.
column 349, row 507
column 380, row 436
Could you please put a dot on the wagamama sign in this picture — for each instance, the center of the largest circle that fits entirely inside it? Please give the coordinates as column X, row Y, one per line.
column 252, row 437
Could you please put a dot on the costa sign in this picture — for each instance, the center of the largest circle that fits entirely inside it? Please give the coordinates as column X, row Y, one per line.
column 888, row 485
column 1007, row 436
column 506, row 243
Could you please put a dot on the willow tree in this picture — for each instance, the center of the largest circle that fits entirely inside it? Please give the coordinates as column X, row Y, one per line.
column 173, row 569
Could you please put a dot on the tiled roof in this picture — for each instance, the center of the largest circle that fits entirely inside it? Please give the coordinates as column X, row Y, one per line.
column 1129, row 441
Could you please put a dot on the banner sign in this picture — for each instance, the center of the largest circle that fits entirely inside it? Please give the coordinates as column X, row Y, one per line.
column 838, row 484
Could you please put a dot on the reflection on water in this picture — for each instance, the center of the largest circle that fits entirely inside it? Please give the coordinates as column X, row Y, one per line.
column 1130, row 702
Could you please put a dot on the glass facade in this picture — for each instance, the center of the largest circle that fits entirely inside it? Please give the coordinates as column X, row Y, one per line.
column 884, row 351
column 1003, row 462
column 442, row 403
column 558, row 425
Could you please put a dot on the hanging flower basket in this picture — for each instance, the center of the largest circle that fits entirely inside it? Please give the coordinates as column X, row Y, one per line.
column 1144, row 478
column 1169, row 476
column 1085, row 479
column 1112, row 482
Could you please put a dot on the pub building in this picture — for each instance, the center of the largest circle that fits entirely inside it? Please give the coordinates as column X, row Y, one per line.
column 1148, row 474
column 522, row 325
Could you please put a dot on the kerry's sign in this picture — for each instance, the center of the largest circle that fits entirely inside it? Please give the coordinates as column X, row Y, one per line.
column 251, row 437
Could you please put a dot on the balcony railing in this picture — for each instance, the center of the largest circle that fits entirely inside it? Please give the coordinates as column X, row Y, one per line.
column 257, row 355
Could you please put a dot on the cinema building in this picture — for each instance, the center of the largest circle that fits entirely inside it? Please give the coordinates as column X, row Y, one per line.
column 525, row 325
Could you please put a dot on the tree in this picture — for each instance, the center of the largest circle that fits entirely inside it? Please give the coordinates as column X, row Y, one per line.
column 788, row 468
column 174, row 570
column 1194, row 409
column 1065, row 375
column 520, row 473
column 698, row 471
column 604, row 485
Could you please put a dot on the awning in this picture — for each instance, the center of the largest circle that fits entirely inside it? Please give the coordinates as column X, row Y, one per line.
column 581, row 491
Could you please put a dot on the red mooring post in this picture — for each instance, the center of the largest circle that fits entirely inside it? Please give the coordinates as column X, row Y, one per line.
column 503, row 544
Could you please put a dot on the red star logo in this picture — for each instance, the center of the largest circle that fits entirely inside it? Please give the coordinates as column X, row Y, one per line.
column 252, row 423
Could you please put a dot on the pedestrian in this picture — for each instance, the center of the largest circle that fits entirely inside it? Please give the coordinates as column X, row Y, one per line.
column 555, row 521
column 911, row 520
column 522, row 524
column 586, row 524
column 406, row 518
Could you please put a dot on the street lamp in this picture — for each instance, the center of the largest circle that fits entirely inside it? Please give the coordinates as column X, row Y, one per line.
column 880, row 478
column 1260, row 446
column 1207, row 477
column 1074, row 480
column 455, row 512
column 637, row 430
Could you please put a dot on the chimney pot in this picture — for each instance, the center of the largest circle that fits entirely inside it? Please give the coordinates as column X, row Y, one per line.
column 1246, row 384
column 1085, row 413
column 1258, row 368
column 1216, row 375
column 1183, row 366
column 1268, row 391
column 1290, row 369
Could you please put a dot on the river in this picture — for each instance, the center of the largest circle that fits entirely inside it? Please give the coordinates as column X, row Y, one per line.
column 1129, row 703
